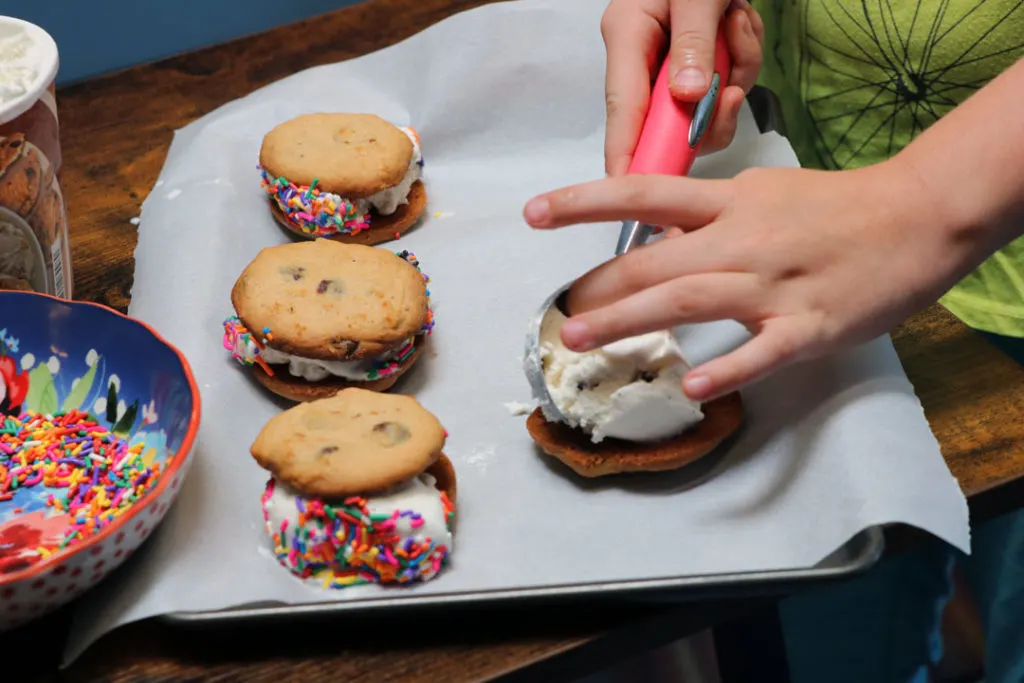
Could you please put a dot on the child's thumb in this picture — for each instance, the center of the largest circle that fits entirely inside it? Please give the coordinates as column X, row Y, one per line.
column 692, row 46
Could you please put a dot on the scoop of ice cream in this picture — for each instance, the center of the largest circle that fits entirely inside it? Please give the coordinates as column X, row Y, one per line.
column 630, row 389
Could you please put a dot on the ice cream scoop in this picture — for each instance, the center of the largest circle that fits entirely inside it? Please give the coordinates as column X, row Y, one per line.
column 669, row 143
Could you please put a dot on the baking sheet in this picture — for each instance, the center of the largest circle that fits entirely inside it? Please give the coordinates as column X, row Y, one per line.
column 508, row 101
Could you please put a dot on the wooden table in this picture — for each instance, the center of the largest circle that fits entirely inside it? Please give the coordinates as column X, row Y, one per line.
column 116, row 131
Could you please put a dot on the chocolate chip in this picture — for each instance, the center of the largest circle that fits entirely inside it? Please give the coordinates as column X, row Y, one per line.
column 347, row 347
column 586, row 386
column 326, row 451
column 332, row 286
column 391, row 433
column 294, row 272
column 645, row 377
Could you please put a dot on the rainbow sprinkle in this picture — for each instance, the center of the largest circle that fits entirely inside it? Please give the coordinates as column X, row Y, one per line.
column 244, row 347
column 386, row 368
column 103, row 475
column 312, row 210
column 347, row 545
column 428, row 326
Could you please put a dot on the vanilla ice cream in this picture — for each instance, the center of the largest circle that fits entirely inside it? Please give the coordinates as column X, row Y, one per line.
column 386, row 202
column 316, row 370
column 358, row 539
column 631, row 389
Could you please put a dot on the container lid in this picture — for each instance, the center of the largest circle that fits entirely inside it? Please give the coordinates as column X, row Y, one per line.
column 44, row 63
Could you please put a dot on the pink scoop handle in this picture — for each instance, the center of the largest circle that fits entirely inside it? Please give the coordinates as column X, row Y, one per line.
column 664, row 147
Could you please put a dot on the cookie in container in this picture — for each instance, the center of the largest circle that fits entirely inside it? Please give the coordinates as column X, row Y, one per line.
column 34, row 250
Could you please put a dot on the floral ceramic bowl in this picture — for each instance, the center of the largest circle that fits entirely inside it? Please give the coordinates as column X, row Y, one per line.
column 98, row 415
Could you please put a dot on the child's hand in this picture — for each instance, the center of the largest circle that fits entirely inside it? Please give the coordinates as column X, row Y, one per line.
column 635, row 35
column 808, row 261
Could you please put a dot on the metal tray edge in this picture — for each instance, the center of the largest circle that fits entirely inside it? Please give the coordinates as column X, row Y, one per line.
column 867, row 548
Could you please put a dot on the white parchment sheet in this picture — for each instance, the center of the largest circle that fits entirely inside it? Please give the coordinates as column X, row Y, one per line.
column 508, row 100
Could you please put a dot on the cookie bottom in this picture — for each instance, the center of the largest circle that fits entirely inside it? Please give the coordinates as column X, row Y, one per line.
column 443, row 473
column 297, row 389
column 382, row 228
column 722, row 417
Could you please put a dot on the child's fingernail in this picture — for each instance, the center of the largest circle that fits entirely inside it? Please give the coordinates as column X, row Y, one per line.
column 697, row 386
column 576, row 335
column 690, row 78
column 537, row 211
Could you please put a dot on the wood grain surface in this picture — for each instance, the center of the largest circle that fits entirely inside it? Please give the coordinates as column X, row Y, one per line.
column 431, row 648
column 116, row 131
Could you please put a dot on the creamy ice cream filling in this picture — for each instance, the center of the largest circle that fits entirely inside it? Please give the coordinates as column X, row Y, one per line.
column 315, row 370
column 247, row 351
column 396, row 536
column 630, row 389
column 321, row 213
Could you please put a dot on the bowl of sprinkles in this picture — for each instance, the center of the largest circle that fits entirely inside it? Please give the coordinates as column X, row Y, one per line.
column 98, row 415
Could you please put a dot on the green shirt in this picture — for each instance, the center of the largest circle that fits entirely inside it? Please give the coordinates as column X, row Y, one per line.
column 859, row 79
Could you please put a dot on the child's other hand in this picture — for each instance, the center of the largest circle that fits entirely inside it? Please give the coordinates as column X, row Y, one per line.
column 808, row 261
column 635, row 33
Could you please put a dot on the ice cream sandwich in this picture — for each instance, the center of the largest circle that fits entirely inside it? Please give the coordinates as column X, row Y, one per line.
column 313, row 318
column 349, row 177
column 623, row 406
column 360, row 491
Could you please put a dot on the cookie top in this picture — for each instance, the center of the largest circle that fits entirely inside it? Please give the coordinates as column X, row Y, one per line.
column 331, row 301
column 355, row 443
column 352, row 155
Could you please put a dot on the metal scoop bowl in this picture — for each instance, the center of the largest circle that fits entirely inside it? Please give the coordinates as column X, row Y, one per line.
column 633, row 234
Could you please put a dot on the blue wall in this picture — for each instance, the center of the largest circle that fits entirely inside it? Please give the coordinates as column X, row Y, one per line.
column 97, row 36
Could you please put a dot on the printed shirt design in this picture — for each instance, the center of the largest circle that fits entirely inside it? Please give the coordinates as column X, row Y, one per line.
column 859, row 79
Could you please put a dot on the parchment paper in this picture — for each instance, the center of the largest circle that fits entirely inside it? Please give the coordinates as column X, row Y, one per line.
column 508, row 101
